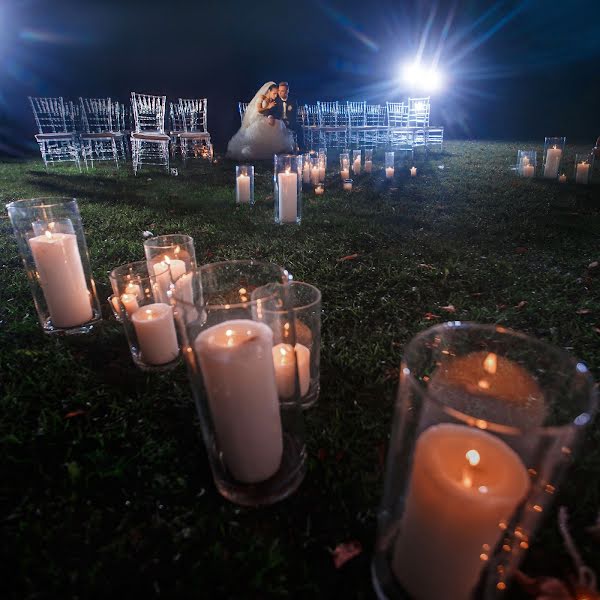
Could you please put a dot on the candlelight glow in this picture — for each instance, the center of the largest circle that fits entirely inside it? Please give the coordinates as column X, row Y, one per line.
column 473, row 457
column 149, row 314
column 177, row 250
column 48, row 234
column 490, row 364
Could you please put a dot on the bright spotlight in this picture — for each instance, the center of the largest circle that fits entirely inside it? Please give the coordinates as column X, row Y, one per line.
column 418, row 76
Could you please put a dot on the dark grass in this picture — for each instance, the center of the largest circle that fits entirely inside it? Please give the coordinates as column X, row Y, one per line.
column 118, row 500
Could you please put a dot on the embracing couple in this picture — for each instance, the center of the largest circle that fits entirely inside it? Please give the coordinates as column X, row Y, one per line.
column 269, row 125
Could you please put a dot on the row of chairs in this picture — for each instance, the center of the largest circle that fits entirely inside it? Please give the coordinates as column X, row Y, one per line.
column 397, row 125
column 95, row 129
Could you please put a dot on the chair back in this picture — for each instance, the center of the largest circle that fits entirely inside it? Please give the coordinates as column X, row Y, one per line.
column 418, row 112
column 176, row 117
column 357, row 113
column 397, row 114
column 96, row 115
column 148, row 112
column 328, row 113
column 375, row 115
column 311, row 115
column 194, row 114
column 49, row 114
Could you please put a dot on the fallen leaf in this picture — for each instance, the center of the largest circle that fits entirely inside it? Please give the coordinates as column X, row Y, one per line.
column 476, row 294
column 521, row 304
column 520, row 250
column 594, row 265
column 584, row 311
column 349, row 257
column 596, row 329
column 147, row 234
column 345, row 551
column 450, row 308
column 74, row 413
column 430, row 316
column 501, row 306
column 426, row 266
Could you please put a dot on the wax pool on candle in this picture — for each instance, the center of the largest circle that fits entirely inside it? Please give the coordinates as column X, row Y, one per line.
column 243, row 189
column 283, row 359
column 155, row 330
column 464, row 482
column 389, row 172
column 581, row 175
column 552, row 162
column 288, row 197
column 237, row 367
column 60, row 271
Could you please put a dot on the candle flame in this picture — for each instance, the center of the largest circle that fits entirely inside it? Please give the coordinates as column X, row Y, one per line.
column 283, row 352
column 149, row 314
column 473, row 457
column 490, row 364
column 177, row 250
column 126, row 297
column 48, row 234
column 483, row 384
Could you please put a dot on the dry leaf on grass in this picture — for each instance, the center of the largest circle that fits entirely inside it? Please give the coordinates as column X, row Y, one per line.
column 450, row 308
column 345, row 551
column 74, row 413
column 593, row 265
column 521, row 304
column 349, row 257
column 430, row 316
column 426, row 266
column 584, row 311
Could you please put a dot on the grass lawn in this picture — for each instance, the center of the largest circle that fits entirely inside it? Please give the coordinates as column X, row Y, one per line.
column 106, row 490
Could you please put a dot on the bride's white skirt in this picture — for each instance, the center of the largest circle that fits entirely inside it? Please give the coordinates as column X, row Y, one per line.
column 259, row 141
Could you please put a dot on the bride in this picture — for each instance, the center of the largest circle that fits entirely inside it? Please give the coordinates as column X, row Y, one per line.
column 261, row 134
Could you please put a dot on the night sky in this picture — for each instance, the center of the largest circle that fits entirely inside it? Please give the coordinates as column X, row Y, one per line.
column 514, row 70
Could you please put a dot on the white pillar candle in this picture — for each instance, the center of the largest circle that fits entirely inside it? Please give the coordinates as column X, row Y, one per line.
column 242, row 189
column 133, row 289
column 581, row 175
column 345, row 173
column 356, row 166
column 389, row 172
column 283, row 359
column 562, row 178
column 528, row 171
column 319, row 190
column 164, row 277
column 368, row 166
column 306, row 173
column 552, row 162
column 348, row 186
column 237, row 367
column 288, row 197
column 60, row 271
column 321, row 173
column 130, row 303
column 413, row 171
column 464, row 483
column 155, row 330
column 314, row 175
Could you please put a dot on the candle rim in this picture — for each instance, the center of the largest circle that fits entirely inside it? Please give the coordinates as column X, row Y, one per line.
column 175, row 239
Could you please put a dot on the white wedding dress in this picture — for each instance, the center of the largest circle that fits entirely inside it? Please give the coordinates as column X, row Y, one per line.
column 256, row 138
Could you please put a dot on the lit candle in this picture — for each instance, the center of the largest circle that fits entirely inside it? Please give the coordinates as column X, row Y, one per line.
column 155, row 330
column 164, row 277
column 239, row 375
column 242, row 189
column 581, row 175
column 348, row 185
column 356, row 166
column 133, row 289
column 413, row 171
column 314, row 175
column 306, row 172
column 562, row 178
column 288, row 196
column 368, row 166
column 283, row 359
column 389, row 172
column 130, row 303
column 552, row 162
column 345, row 173
column 319, row 190
column 60, row 271
column 527, row 170
column 464, row 483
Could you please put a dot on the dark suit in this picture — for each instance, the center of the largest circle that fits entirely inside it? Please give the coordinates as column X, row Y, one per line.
column 289, row 116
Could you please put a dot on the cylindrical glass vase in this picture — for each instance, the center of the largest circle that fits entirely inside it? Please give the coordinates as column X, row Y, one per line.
column 344, row 165
column 306, row 168
column 126, row 283
column 244, row 184
column 526, row 163
column 389, row 165
column 322, row 164
column 486, row 423
column 584, row 165
column 52, row 246
column 368, row 160
column 147, row 317
column 356, row 161
column 554, row 148
column 287, row 184
column 253, row 435
column 176, row 250
column 305, row 302
column 315, row 171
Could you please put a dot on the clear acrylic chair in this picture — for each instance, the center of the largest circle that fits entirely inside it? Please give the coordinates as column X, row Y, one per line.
column 242, row 108
column 149, row 142
column 333, row 126
column 311, row 126
column 418, row 119
column 377, row 128
column 176, row 120
column 195, row 138
column 119, row 125
column 400, row 135
column 57, row 136
column 357, row 123
column 101, row 138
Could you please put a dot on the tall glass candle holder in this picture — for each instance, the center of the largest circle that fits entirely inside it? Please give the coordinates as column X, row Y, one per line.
column 52, row 246
column 356, row 161
column 389, row 165
column 526, row 163
column 322, row 161
column 126, row 281
column 486, row 423
column 306, row 164
column 176, row 250
column 244, row 184
column 344, row 165
column 368, row 160
column 315, row 171
column 305, row 302
column 253, row 431
column 287, row 184
column 147, row 317
column 584, row 165
column 554, row 148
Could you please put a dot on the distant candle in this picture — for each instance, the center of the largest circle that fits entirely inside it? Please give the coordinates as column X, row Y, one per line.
column 314, row 175
column 389, row 172
column 413, row 171
column 552, row 162
column 283, row 359
column 319, row 190
column 562, row 178
column 356, row 166
column 368, row 166
column 345, row 173
column 288, row 197
column 528, row 171
column 242, row 189
column 155, row 331
column 583, row 170
column 306, row 172
column 348, row 185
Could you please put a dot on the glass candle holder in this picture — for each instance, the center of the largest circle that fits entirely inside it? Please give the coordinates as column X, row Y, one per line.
column 347, row 185
column 305, row 302
column 254, row 437
column 244, row 184
column 562, row 178
column 389, row 165
column 176, row 250
column 52, row 246
column 584, row 164
column 126, row 280
column 287, row 184
column 322, row 163
column 315, row 170
column 486, row 423
column 368, row 160
column 306, row 164
column 526, row 163
column 148, row 321
column 356, row 161
column 553, row 151
column 344, row 165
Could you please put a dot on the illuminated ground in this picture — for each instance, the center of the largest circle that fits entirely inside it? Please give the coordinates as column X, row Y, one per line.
column 105, row 488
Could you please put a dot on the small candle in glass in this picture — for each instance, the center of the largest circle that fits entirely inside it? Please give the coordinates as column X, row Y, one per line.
column 344, row 165
column 368, row 161
column 389, row 165
column 356, row 162
column 347, row 185
column 319, row 189
column 244, row 184
column 562, row 178
column 413, row 171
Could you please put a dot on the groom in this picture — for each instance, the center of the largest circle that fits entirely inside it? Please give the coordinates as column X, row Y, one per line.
column 286, row 110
